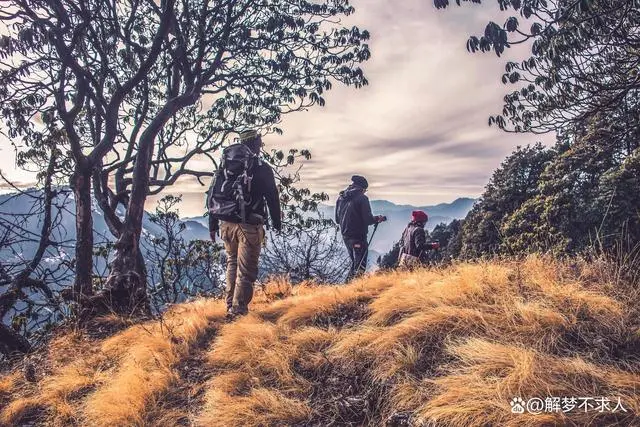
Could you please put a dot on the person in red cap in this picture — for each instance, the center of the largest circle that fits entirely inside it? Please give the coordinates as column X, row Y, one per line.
column 414, row 241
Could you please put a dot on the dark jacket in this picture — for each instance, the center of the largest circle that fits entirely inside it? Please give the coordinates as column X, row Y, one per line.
column 353, row 213
column 414, row 240
column 263, row 187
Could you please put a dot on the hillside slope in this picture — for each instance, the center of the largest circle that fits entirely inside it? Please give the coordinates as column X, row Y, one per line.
column 448, row 347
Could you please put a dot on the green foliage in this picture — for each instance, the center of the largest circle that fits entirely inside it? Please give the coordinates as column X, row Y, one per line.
column 450, row 238
column 298, row 202
column 390, row 259
column 579, row 81
column 513, row 183
column 620, row 199
column 583, row 59
column 581, row 194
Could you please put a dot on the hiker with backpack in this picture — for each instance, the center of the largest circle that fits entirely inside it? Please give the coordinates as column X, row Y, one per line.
column 236, row 204
column 353, row 215
column 414, row 243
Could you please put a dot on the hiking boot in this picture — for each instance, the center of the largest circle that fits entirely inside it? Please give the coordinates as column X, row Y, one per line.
column 233, row 314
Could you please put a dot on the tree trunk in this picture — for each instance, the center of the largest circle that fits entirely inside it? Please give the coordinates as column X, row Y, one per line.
column 81, row 184
column 126, row 287
column 12, row 342
column 127, row 282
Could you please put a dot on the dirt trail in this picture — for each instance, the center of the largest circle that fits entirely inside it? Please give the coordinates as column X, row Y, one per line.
column 182, row 403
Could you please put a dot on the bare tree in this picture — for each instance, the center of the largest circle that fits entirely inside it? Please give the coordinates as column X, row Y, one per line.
column 179, row 269
column 315, row 254
column 29, row 282
column 143, row 88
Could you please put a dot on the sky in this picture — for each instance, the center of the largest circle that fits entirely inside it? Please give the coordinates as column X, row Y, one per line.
column 419, row 131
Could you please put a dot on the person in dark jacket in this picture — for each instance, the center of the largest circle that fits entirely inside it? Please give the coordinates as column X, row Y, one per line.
column 243, row 240
column 353, row 215
column 414, row 241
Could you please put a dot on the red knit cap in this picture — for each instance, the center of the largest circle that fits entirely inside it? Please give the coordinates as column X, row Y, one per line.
column 419, row 216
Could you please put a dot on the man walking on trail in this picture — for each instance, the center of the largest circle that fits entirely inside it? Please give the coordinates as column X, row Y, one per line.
column 236, row 204
column 353, row 215
column 414, row 241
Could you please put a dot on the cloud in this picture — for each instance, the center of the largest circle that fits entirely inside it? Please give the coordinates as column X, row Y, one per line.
column 419, row 131
column 10, row 187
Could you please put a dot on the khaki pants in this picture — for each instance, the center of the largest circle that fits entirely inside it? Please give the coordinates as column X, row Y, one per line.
column 242, row 243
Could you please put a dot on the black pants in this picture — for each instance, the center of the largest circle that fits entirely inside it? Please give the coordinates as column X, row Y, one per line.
column 358, row 251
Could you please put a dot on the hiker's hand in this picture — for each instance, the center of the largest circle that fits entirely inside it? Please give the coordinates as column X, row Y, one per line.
column 435, row 245
column 380, row 218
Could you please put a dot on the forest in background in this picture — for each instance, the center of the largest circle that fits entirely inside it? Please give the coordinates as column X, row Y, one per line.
column 580, row 195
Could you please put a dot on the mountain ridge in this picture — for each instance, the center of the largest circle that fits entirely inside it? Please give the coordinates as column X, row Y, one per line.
column 397, row 218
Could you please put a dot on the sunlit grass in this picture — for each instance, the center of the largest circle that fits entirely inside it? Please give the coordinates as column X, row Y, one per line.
column 438, row 347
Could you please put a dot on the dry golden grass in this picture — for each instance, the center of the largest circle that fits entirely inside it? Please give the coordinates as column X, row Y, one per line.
column 260, row 407
column 446, row 347
column 147, row 356
column 439, row 347
column 112, row 381
column 489, row 374
column 7, row 383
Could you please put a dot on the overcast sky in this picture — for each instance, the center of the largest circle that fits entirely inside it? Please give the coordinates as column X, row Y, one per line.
column 419, row 131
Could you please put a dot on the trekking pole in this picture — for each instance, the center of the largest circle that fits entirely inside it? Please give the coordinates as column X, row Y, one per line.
column 375, row 227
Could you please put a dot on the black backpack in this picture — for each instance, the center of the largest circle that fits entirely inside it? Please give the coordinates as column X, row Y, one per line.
column 230, row 191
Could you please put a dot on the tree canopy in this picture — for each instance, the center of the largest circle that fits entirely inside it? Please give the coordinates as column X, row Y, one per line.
column 583, row 62
column 141, row 89
column 581, row 82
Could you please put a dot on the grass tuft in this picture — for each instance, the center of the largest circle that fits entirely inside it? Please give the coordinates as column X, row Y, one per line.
column 446, row 347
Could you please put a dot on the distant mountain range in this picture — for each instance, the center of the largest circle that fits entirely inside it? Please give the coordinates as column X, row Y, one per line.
column 457, row 209
column 197, row 227
column 64, row 210
column 398, row 216
column 25, row 206
column 387, row 234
